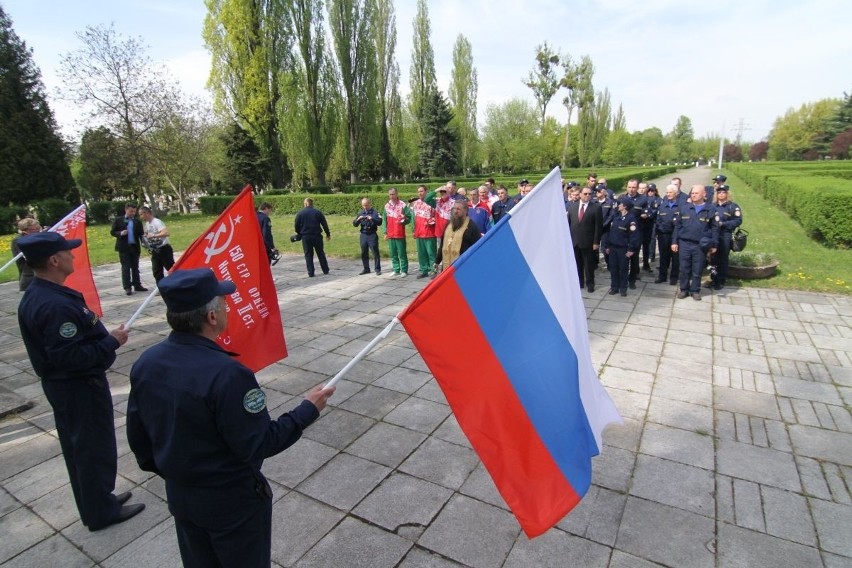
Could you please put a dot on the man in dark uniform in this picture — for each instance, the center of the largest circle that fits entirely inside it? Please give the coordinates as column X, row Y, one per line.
column 127, row 231
column 368, row 220
column 728, row 216
column 666, row 213
column 70, row 350
column 638, row 207
column 502, row 206
column 265, row 223
column 197, row 418
column 310, row 223
column 695, row 232
column 718, row 181
column 609, row 208
column 623, row 243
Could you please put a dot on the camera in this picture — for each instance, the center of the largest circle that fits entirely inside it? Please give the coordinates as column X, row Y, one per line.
column 274, row 256
column 714, row 271
column 296, row 237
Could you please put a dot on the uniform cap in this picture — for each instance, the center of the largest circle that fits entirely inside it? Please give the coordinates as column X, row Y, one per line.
column 187, row 290
column 724, row 188
column 652, row 186
column 573, row 184
column 44, row 245
column 524, row 181
column 720, row 178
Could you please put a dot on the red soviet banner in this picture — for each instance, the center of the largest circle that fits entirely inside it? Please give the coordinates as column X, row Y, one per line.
column 233, row 248
column 73, row 226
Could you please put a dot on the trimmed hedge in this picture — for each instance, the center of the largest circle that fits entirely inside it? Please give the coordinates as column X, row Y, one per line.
column 821, row 204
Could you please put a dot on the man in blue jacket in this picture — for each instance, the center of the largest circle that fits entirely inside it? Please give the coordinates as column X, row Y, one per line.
column 695, row 234
column 197, row 418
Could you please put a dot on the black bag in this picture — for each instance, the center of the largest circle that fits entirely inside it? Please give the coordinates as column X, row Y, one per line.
column 739, row 240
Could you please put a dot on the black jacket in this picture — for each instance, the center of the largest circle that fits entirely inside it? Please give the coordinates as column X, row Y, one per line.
column 120, row 224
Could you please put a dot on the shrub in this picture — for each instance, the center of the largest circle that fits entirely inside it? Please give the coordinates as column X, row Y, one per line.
column 101, row 211
column 9, row 220
column 51, row 211
column 751, row 259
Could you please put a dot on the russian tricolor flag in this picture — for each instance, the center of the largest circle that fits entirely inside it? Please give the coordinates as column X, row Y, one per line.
column 504, row 332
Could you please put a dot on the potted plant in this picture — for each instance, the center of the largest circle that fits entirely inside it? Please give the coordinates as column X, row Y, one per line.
column 748, row 265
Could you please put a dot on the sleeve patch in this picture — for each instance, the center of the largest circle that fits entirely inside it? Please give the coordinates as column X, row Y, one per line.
column 68, row 330
column 254, row 401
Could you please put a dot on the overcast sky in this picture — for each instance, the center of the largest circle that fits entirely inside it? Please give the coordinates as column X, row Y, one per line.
column 728, row 62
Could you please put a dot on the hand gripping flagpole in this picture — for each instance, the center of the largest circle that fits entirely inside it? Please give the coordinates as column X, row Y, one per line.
column 363, row 353
column 53, row 228
column 144, row 305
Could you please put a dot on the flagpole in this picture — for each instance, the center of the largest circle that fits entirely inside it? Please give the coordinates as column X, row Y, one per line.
column 144, row 305
column 20, row 254
column 369, row 347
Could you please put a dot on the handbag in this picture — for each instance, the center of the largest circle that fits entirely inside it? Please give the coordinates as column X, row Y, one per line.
column 739, row 240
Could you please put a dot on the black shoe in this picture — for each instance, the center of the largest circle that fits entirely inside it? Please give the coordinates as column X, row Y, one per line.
column 672, row 282
column 325, row 272
column 310, row 275
column 681, row 295
column 590, row 288
column 128, row 291
column 632, row 285
column 696, row 296
column 422, row 275
column 647, row 268
column 659, row 280
column 141, row 289
column 378, row 272
column 717, row 286
column 613, row 291
column 623, row 292
column 365, row 271
column 122, row 498
column 126, row 512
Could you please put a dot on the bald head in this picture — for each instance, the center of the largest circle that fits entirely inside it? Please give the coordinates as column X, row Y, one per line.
column 697, row 194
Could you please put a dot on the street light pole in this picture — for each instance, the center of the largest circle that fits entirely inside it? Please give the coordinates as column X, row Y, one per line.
column 721, row 144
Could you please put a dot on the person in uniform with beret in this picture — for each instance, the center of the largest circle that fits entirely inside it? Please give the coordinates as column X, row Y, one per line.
column 728, row 217
column 710, row 190
column 622, row 245
column 70, row 350
column 198, row 418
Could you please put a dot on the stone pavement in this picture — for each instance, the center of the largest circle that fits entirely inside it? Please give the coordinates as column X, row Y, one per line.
column 736, row 448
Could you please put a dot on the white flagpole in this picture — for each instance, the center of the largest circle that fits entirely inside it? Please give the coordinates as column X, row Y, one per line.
column 363, row 353
column 53, row 228
column 144, row 305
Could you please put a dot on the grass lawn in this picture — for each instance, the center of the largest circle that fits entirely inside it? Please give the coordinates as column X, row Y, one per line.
column 805, row 264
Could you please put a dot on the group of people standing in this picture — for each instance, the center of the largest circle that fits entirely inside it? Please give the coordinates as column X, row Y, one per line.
column 691, row 231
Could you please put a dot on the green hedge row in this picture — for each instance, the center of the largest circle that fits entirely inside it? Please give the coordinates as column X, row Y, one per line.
column 348, row 203
column 821, row 204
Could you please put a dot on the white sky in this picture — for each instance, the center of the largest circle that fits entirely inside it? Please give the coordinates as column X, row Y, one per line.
column 717, row 63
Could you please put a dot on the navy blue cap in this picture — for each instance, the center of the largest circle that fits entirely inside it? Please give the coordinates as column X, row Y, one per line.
column 187, row 290
column 652, row 186
column 44, row 245
column 601, row 186
column 573, row 184
column 524, row 182
column 724, row 188
column 720, row 178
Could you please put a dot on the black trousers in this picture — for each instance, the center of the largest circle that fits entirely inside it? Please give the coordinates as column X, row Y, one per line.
column 130, row 267
column 228, row 526
column 82, row 409
column 668, row 259
column 647, row 251
column 163, row 257
column 311, row 243
column 370, row 243
column 692, row 261
column 619, row 266
column 722, row 257
column 585, row 258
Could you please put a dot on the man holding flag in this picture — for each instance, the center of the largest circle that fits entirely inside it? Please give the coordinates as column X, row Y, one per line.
column 70, row 350
column 198, row 418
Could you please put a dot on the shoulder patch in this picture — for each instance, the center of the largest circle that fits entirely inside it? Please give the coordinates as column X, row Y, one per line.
column 68, row 330
column 632, row 226
column 254, row 401
column 737, row 213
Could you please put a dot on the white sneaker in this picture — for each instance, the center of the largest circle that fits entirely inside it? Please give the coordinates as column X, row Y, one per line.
column 403, row 274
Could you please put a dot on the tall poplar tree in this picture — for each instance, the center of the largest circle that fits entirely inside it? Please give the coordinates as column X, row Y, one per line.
column 384, row 40
column 463, row 92
column 350, row 22
column 577, row 80
column 594, row 123
column 421, row 77
column 543, row 79
column 249, row 44
column 314, row 117
column 32, row 157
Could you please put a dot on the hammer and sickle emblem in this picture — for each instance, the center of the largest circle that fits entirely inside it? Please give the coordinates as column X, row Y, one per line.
column 214, row 248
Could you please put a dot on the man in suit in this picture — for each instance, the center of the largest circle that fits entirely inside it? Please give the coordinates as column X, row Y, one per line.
column 586, row 220
column 127, row 231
